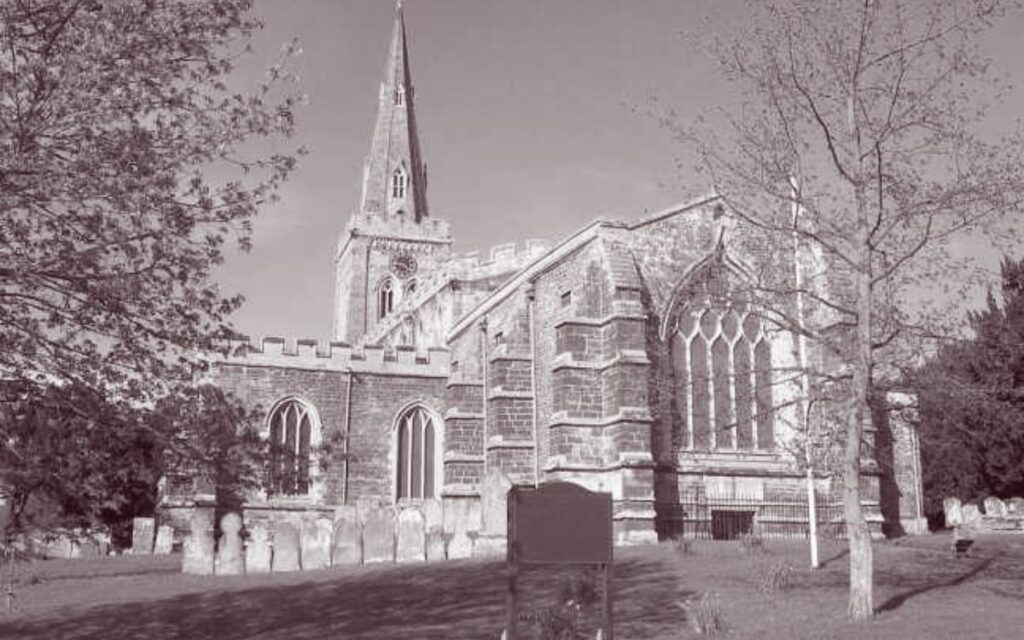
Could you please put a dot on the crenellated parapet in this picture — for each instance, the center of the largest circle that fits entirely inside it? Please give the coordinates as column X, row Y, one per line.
column 335, row 356
column 400, row 225
column 500, row 259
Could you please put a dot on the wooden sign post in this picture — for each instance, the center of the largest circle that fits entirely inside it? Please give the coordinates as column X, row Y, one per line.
column 559, row 523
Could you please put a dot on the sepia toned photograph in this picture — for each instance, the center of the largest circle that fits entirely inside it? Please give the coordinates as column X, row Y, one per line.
column 511, row 320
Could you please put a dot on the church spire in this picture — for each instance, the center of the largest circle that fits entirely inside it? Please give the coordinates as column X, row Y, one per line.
column 394, row 180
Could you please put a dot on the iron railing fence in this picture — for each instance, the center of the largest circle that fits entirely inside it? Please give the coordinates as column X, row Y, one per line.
column 774, row 517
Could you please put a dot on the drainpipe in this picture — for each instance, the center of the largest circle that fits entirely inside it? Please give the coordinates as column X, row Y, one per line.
column 348, row 433
column 531, row 294
column 483, row 386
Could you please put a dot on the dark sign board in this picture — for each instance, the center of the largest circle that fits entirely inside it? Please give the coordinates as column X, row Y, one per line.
column 559, row 523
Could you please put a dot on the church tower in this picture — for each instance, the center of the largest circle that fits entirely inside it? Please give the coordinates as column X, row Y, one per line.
column 391, row 241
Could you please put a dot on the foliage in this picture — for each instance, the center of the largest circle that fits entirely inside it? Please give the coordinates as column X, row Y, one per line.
column 971, row 405
column 212, row 440
column 122, row 175
column 705, row 615
column 854, row 160
column 71, row 459
column 775, row 577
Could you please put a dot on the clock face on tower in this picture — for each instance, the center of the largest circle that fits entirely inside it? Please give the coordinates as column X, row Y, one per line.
column 403, row 264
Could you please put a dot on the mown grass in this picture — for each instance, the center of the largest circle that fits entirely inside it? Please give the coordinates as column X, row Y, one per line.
column 921, row 592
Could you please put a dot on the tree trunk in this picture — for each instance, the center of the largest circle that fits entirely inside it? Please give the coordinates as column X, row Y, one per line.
column 858, row 535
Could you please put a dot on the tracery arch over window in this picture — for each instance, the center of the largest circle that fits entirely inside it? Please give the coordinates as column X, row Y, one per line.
column 399, row 183
column 416, row 461
column 294, row 427
column 721, row 357
column 385, row 298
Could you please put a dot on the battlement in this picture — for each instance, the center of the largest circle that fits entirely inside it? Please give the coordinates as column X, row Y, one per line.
column 400, row 225
column 502, row 258
column 335, row 356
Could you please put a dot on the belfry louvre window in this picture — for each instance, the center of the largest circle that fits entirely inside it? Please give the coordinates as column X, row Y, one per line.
column 385, row 298
column 291, row 426
column 721, row 357
column 399, row 183
column 417, row 455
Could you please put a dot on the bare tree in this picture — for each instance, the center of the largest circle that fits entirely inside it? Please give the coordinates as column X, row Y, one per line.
column 857, row 139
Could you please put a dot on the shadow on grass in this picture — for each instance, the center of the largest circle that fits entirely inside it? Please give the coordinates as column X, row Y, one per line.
column 899, row 599
column 841, row 554
column 456, row 600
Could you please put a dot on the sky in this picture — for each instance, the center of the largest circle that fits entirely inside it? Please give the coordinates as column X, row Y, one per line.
column 532, row 119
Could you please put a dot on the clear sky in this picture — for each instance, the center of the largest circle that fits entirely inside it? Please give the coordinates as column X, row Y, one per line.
column 526, row 119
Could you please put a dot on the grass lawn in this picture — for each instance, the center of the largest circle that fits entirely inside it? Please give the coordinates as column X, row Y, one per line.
column 920, row 592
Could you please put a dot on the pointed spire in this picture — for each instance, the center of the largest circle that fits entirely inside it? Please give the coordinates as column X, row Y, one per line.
column 394, row 180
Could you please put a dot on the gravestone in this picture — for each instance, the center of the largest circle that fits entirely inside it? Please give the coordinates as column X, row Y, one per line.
column 230, row 558
column 198, row 552
column 379, row 536
column 433, row 514
column 412, row 539
column 994, row 507
column 257, row 549
column 316, row 544
column 286, row 548
column 460, row 546
column 164, row 539
column 971, row 514
column 1015, row 506
column 495, row 503
column 953, row 511
column 435, row 544
column 143, row 530
column 348, row 539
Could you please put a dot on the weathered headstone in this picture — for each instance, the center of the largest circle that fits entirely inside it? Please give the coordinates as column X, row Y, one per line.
column 316, row 544
column 198, row 552
column 971, row 514
column 495, row 503
column 143, row 530
column 164, row 539
column 257, row 549
column 460, row 546
column 435, row 544
column 230, row 558
column 348, row 539
column 953, row 511
column 286, row 548
column 1015, row 506
column 412, row 536
column 994, row 507
column 379, row 536
column 433, row 514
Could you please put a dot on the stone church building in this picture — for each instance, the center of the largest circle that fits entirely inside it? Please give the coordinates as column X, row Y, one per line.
column 617, row 359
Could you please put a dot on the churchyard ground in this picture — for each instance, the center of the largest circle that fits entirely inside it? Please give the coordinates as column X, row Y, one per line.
column 921, row 592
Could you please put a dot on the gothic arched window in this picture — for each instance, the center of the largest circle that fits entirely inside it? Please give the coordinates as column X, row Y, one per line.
column 416, row 461
column 410, row 287
column 399, row 183
column 294, row 427
column 385, row 298
column 721, row 357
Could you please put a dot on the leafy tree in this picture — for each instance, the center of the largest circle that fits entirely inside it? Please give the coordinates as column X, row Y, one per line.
column 71, row 459
column 124, row 168
column 971, row 398
column 854, row 152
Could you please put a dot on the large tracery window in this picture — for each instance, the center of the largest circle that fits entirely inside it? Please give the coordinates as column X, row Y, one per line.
column 385, row 298
column 416, row 461
column 292, row 426
column 721, row 357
